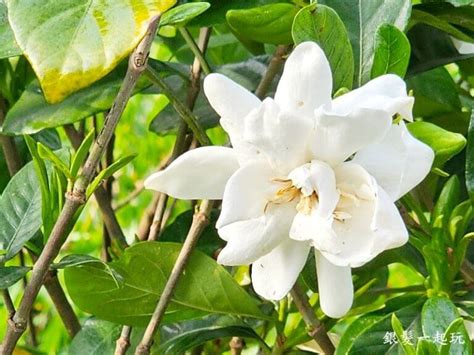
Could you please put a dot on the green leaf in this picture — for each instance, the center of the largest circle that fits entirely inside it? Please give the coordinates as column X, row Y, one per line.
column 144, row 269
column 95, row 337
column 20, row 211
column 88, row 38
column 470, row 160
column 356, row 328
column 179, row 337
column 8, row 46
column 436, row 316
column 397, row 326
column 75, row 260
column 31, row 113
column 457, row 339
column 418, row 16
column 81, row 153
column 182, row 14
column 209, row 241
column 322, row 25
column 426, row 347
column 12, row 274
column 371, row 340
column 447, row 200
column 108, row 172
column 445, row 144
column 265, row 24
column 392, row 52
column 47, row 154
column 431, row 48
column 362, row 19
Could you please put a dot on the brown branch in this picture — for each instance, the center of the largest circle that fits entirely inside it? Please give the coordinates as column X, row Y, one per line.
column 74, row 199
column 123, row 343
column 316, row 329
column 273, row 69
column 200, row 221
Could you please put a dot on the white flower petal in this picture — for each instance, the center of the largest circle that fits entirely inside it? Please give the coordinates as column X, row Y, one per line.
column 247, row 193
column 374, row 225
column 282, row 138
column 313, row 228
column 337, row 136
column 231, row 101
column 306, row 82
column 274, row 274
column 198, row 174
column 336, row 291
column 387, row 92
column 398, row 163
column 251, row 239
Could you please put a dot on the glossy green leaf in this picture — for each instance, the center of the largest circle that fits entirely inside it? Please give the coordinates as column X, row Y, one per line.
column 392, row 52
column 457, row 339
column 178, row 337
column 182, row 14
column 8, row 46
column 81, row 153
column 322, row 25
column 356, row 328
column 265, row 24
column 470, row 160
column 445, row 144
column 12, row 274
column 362, row 19
column 88, row 38
column 47, row 154
column 143, row 270
column 32, row 113
column 209, row 241
column 397, row 326
column 426, row 347
column 20, row 211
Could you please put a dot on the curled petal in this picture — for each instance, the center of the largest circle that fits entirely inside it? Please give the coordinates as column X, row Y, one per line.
column 336, row 291
column 399, row 162
column 306, row 82
column 274, row 274
column 251, row 239
column 201, row 173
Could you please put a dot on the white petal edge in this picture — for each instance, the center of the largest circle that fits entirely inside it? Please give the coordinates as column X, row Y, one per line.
column 399, row 162
column 251, row 239
column 274, row 274
column 306, row 82
column 336, row 291
column 201, row 173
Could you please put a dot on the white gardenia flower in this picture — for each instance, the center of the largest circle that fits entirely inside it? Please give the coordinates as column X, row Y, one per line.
column 305, row 171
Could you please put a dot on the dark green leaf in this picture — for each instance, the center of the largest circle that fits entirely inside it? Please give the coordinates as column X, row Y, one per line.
column 265, row 24
column 356, row 328
column 75, row 260
column 457, row 339
column 144, row 269
column 436, row 316
column 20, row 211
column 426, row 347
column 447, row 200
column 8, row 46
column 11, row 274
column 322, row 25
column 208, row 243
column 362, row 19
column 431, row 48
column 178, row 337
column 470, row 160
column 392, row 52
column 95, row 337
column 445, row 144
column 182, row 14
column 32, row 113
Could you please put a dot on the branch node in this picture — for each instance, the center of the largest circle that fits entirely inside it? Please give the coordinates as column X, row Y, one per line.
column 75, row 196
column 18, row 326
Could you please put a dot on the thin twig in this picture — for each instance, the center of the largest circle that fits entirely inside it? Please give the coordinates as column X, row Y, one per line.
column 131, row 196
column 273, row 69
column 198, row 53
column 200, row 221
column 76, row 198
column 155, row 227
column 316, row 329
